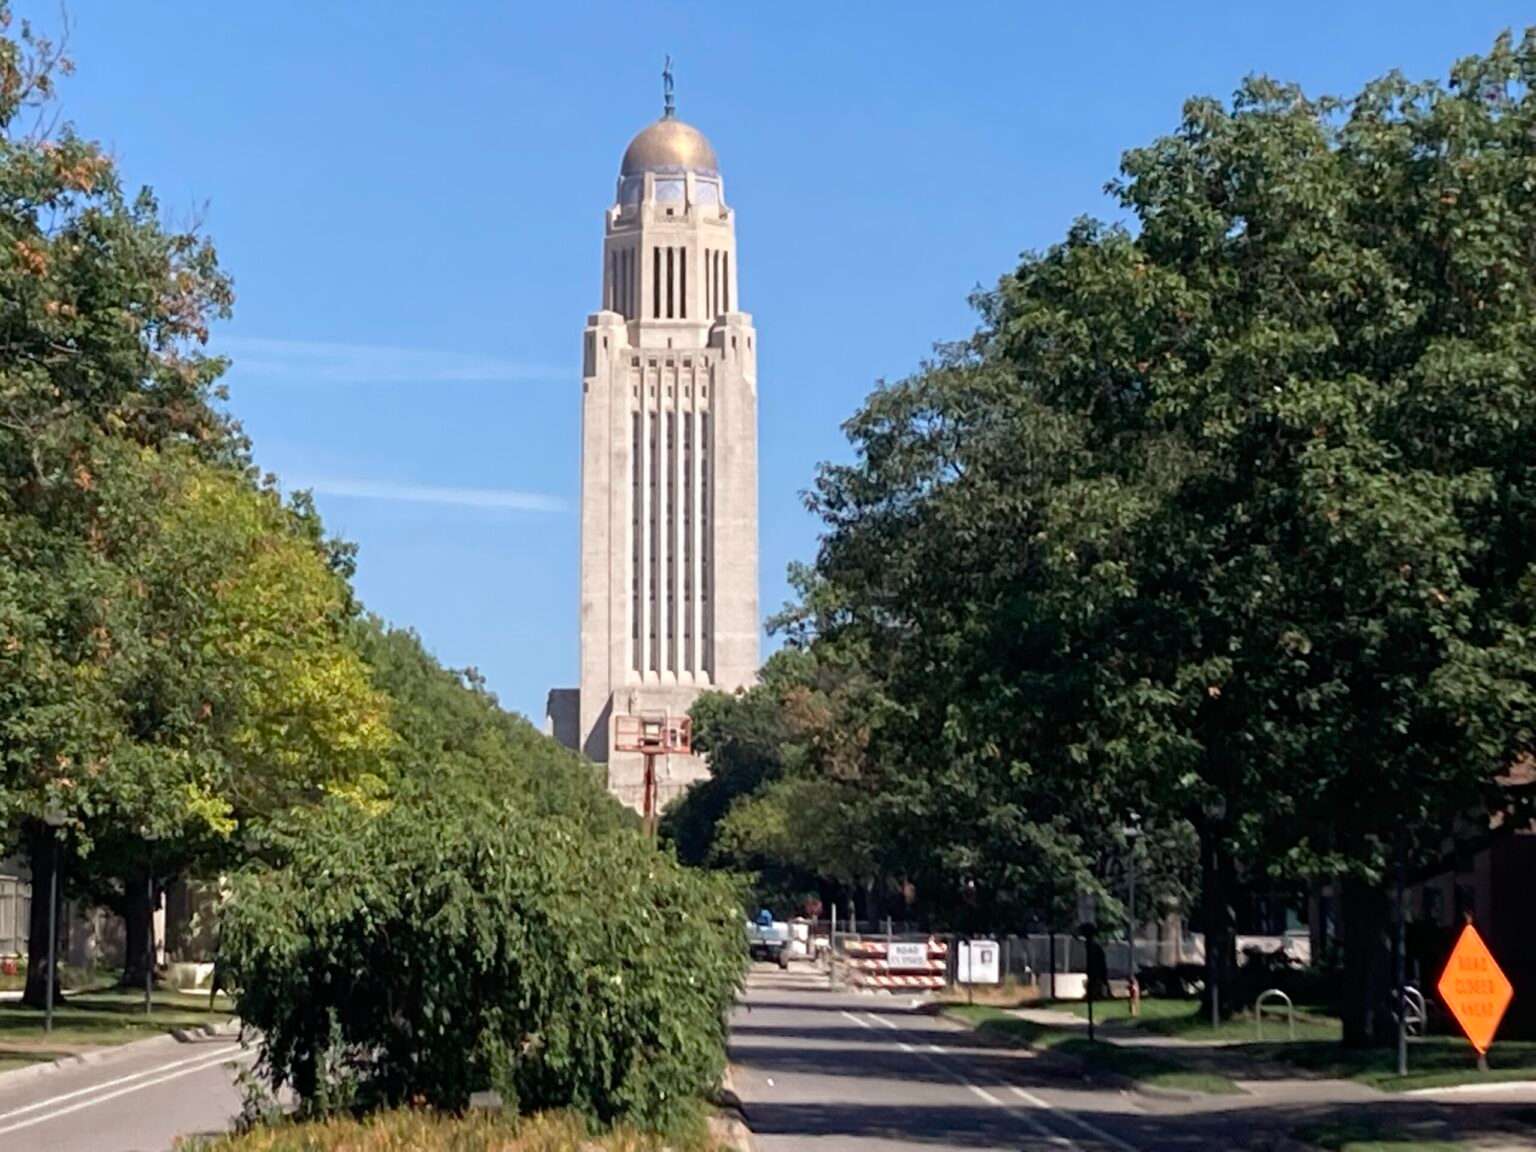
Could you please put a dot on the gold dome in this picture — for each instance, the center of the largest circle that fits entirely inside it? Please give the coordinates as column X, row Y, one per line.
column 669, row 145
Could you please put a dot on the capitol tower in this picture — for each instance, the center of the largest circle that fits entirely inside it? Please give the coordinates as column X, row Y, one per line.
column 668, row 462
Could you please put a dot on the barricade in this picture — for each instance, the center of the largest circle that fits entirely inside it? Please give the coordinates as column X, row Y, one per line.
column 897, row 965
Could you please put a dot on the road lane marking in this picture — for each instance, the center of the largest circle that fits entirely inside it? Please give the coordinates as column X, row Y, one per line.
column 981, row 1093
column 106, row 1084
column 985, row 1095
column 1029, row 1097
column 1092, row 1129
column 214, row 1062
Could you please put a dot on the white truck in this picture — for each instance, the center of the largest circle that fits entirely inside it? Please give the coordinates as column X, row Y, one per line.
column 768, row 939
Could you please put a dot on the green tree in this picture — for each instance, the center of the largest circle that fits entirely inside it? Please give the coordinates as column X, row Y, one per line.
column 106, row 312
column 218, row 673
column 1226, row 520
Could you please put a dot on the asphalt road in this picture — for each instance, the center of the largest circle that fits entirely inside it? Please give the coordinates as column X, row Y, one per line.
column 136, row 1099
column 819, row 1071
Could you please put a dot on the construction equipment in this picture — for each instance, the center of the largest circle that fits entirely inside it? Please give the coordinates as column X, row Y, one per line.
column 652, row 734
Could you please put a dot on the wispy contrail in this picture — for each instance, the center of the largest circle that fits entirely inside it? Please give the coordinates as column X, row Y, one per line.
column 504, row 498
column 320, row 361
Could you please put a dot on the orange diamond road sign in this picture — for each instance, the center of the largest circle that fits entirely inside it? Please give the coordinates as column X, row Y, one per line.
column 1475, row 989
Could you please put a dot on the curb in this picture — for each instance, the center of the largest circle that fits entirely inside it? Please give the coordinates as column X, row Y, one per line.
column 107, row 1053
column 729, row 1125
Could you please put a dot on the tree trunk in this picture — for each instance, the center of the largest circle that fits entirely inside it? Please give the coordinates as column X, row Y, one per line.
column 1367, row 1021
column 138, row 924
column 41, row 851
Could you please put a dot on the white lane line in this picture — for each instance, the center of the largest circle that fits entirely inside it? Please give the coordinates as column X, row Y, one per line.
column 225, row 1058
column 985, row 1095
column 1036, row 1101
column 106, row 1084
column 1040, row 1129
column 855, row 1019
column 1066, row 1114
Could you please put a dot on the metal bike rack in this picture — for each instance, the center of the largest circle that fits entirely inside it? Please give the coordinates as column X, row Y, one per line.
column 1415, row 1011
column 1258, row 1011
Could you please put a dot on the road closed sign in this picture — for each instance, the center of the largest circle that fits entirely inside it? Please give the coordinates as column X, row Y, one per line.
column 908, row 957
column 1474, row 989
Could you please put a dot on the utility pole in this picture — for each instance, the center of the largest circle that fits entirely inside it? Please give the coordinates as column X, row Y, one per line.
column 1402, row 965
column 1133, row 988
column 54, row 819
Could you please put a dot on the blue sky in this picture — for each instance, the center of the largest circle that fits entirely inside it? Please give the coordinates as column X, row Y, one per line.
column 410, row 198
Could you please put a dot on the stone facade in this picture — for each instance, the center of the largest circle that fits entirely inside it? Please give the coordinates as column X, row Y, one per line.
column 668, row 462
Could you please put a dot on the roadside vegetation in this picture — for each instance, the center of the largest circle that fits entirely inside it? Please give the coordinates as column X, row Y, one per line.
column 421, row 1131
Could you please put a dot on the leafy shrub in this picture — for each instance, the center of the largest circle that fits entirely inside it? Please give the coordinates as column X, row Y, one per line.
column 454, row 942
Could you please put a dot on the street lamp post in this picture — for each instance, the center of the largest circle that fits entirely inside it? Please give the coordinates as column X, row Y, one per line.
column 1132, row 833
column 1401, row 948
column 149, row 923
column 54, row 818
column 1215, row 816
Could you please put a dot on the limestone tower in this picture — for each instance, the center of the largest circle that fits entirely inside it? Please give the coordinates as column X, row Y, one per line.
column 668, row 461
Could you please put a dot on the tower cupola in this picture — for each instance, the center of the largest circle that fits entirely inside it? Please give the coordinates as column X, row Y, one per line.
column 669, row 147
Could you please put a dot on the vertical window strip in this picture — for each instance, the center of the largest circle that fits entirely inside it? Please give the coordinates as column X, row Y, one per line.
column 652, row 566
column 635, row 502
column 656, row 283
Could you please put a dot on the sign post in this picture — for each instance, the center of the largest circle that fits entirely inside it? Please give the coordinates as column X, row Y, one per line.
column 1475, row 990
column 977, row 964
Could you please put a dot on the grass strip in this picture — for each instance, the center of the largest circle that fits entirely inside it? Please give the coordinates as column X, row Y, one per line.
column 409, row 1130
column 1433, row 1062
column 1095, row 1057
column 96, row 1019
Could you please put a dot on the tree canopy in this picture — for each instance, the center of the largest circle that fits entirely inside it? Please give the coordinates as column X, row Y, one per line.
column 1223, row 517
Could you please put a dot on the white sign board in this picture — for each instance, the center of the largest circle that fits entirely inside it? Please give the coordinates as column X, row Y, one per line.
column 903, row 956
column 978, row 962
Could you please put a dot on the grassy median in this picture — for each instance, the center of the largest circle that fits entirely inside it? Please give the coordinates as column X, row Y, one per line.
column 1095, row 1057
column 1185, row 1020
column 417, row 1131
